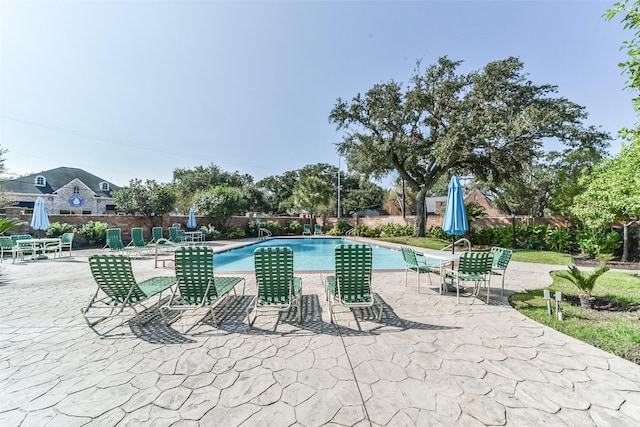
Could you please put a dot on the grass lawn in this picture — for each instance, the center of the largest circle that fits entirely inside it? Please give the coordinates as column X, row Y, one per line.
column 616, row 330
column 538, row 257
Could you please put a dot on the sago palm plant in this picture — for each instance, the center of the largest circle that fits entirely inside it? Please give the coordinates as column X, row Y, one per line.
column 583, row 281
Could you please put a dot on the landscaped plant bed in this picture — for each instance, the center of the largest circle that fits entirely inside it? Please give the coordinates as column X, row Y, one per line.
column 605, row 304
column 613, row 324
column 584, row 261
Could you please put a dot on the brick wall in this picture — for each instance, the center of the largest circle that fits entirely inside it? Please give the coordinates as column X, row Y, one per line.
column 126, row 222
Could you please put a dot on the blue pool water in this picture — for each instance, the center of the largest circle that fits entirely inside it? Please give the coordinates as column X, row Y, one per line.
column 312, row 254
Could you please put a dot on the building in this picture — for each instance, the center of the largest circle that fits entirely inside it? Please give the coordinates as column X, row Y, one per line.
column 64, row 190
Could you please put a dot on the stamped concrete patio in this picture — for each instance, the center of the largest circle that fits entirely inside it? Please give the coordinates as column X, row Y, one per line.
column 427, row 362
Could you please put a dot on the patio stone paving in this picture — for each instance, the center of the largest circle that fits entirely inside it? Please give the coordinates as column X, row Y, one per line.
column 427, row 362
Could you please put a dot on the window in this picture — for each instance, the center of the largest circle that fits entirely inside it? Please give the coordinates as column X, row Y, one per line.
column 76, row 189
column 104, row 186
column 41, row 181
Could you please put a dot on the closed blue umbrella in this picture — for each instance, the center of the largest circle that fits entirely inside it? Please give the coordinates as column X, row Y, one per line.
column 192, row 219
column 40, row 219
column 455, row 215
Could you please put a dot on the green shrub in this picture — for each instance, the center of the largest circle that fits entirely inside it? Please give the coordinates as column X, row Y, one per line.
column 95, row 232
column 596, row 241
column 340, row 229
column 437, row 233
column 559, row 239
column 397, row 230
column 272, row 226
column 57, row 229
column 531, row 236
column 234, row 232
column 294, row 227
column 211, row 232
column 366, row 231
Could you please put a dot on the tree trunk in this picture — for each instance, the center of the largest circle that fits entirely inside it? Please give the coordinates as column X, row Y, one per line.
column 421, row 220
column 625, row 242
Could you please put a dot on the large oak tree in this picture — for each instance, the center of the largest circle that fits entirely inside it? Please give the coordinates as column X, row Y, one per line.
column 491, row 124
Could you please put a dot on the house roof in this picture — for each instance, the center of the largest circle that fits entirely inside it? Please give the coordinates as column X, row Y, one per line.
column 56, row 179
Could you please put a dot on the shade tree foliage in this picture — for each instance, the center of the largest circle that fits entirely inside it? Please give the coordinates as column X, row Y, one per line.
column 190, row 181
column 220, row 203
column 356, row 192
column 491, row 124
column 148, row 198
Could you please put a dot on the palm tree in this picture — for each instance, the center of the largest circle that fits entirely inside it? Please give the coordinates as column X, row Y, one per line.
column 7, row 224
column 311, row 193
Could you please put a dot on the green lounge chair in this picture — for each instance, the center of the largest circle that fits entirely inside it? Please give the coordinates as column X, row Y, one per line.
column 306, row 229
column 116, row 281
column 277, row 287
column 317, row 229
column 197, row 285
column 501, row 258
column 115, row 245
column 138, row 242
column 472, row 267
column 351, row 285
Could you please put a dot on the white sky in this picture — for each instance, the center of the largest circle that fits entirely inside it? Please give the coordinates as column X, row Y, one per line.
column 135, row 89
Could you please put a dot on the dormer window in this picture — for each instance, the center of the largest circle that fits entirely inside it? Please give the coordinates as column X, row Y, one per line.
column 76, row 190
column 41, row 181
column 104, row 186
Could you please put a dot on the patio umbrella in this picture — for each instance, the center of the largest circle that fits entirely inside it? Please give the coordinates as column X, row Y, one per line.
column 40, row 219
column 455, row 215
column 192, row 219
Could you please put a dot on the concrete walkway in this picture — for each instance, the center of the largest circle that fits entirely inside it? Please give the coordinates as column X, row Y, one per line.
column 427, row 362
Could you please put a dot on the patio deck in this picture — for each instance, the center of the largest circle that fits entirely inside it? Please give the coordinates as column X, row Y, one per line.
column 427, row 362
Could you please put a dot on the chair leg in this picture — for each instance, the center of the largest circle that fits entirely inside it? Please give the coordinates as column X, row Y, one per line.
column 502, row 291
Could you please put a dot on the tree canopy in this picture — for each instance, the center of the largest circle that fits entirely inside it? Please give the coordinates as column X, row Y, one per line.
column 490, row 124
column 220, row 203
column 147, row 198
column 612, row 192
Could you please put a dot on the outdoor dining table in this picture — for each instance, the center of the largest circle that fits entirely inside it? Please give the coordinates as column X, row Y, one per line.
column 193, row 236
column 37, row 245
column 442, row 259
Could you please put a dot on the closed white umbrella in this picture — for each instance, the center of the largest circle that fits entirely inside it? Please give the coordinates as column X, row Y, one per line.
column 40, row 219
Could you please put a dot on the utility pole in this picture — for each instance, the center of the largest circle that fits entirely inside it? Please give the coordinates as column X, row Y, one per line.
column 339, row 166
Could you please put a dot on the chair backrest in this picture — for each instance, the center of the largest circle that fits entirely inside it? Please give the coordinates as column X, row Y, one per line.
column 114, row 276
column 353, row 271
column 409, row 256
column 317, row 228
column 6, row 242
column 114, row 239
column 475, row 263
column 194, row 271
column 67, row 238
column 157, row 233
column 137, row 237
column 17, row 237
column 501, row 257
column 274, row 273
column 306, row 228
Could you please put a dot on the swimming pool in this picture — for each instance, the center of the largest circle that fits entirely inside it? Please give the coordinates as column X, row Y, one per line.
column 309, row 254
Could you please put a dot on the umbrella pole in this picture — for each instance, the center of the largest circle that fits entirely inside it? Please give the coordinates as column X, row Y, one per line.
column 453, row 244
